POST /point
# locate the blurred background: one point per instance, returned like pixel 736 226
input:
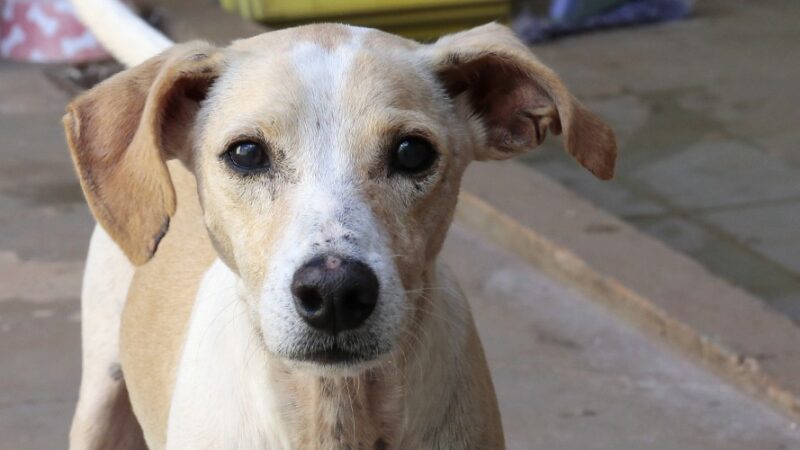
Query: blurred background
pixel 677 328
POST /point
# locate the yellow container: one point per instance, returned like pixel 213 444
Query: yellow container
pixel 419 19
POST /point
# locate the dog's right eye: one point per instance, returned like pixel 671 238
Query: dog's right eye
pixel 248 156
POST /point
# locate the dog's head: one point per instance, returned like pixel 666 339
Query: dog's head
pixel 328 161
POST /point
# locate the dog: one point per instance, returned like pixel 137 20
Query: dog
pixel 264 271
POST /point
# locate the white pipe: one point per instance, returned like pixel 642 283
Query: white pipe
pixel 125 35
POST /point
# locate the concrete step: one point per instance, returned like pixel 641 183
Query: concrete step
pixel 572 374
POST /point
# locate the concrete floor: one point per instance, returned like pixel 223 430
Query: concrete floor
pixel 706 112
pixel 569 374
pixel 45 226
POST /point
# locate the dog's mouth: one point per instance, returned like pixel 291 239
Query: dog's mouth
pixel 333 355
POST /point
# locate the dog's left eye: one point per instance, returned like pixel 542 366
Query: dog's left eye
pixel 413 155
pixel 248 156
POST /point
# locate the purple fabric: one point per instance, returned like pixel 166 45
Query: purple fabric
pixel 536 29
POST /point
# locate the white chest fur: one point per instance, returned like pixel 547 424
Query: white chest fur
pixel 222 399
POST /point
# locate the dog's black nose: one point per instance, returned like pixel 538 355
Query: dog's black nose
pixel 334 294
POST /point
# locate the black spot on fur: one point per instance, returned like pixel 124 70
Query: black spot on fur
pixel 380 444
pixel 115 372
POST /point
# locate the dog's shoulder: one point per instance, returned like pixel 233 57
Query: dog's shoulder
pixel 158 307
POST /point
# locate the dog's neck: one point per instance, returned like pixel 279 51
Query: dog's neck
pixel 363 411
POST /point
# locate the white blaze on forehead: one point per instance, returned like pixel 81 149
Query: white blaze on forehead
pixel 323 73
pixel 329 203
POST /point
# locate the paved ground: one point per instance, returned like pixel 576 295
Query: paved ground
pixel 706 111
pixel 568 373
pixel 45 226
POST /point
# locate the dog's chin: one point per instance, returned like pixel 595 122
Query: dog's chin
pixel 334 359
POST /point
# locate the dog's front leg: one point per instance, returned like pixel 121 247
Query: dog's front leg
pixel 103 417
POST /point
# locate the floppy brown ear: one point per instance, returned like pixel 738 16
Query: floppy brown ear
pixel 518 98
pixel 121 132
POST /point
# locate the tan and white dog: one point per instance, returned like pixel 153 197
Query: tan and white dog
pixel 265 271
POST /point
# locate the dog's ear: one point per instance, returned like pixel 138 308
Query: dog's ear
pixel 121 132
pixel 518 98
